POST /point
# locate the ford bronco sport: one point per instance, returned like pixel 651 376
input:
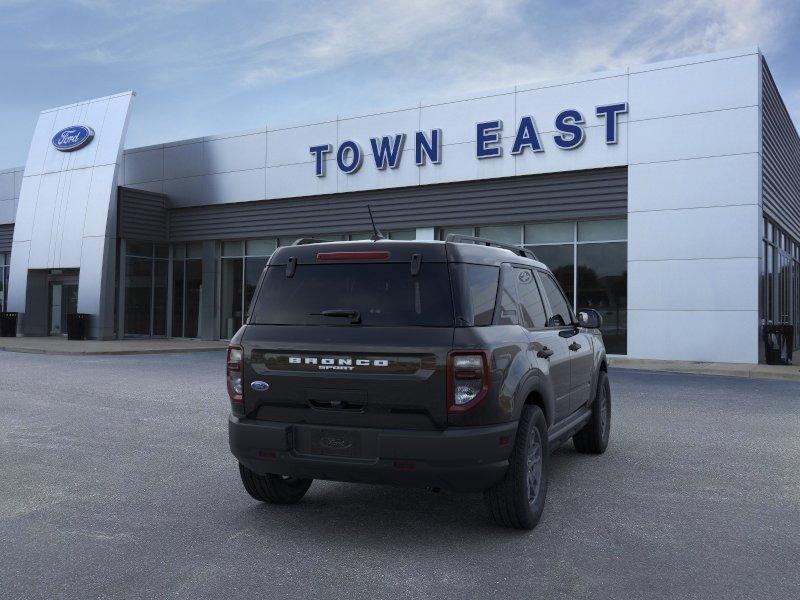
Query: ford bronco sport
pixel 453 364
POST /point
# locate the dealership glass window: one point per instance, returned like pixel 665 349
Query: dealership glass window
pixel 780 283
pixel 187 286
pixel 146 283
pixel 4 267
pixel 241 265
pixel 588 259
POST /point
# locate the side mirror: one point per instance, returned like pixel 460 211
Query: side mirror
pixel 590 318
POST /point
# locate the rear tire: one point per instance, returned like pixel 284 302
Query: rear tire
pixel 593 438
pixel 275 489
pixel 518 500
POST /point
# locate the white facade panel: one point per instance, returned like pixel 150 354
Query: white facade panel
pixel 18 175
pixel 718 232
pixel 74 217
pixel 361 129
pixel 695 88
pixel 459 164
pixel 702 284
pixel 370 178
pixel 183 160
pixel 23 225
pixel 115 125
pixel 92 114
pixel 7 186
pixel 290 146
pixel 18 274
pixel 544 104
pixel 594 153
pixel 458 119
pixel 715 181
pixel 8 210
pixel 714 335
pixel 238 186
pixel 54 160
pixel 43 234
pixel 40 142
pixel 718 133
pixel 238 153
pixel 97 201
pixel 147 165
pixel 93 251
pixel 188 191
pixel 289 181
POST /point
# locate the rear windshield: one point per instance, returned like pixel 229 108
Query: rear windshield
pixel 384 294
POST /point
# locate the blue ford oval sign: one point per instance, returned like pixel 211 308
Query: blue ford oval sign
pixel 72 138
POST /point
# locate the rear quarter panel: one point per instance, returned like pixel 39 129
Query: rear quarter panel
pixel 509 367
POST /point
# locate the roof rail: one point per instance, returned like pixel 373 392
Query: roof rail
pixel 304 241
pixel 457 238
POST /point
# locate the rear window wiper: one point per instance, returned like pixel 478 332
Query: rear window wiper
pixel 353 315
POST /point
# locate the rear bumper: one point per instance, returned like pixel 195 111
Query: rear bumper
pixel 468 459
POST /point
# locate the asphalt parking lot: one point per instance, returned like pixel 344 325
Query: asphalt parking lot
pixel 116 482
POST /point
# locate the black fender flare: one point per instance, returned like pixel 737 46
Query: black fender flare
pixel 536 383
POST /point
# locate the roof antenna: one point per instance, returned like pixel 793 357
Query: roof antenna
pixel 376 233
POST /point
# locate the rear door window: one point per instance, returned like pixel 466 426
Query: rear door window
pixel 383 294
pixel 507 313
pixel 475 288
pixel 561 313
pixel 530 300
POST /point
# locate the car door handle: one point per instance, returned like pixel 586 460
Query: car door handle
pixel 574 346
pixel 545 352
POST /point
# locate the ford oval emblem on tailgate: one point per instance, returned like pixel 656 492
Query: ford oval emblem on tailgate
pixel 260 386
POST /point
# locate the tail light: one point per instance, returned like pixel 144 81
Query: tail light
pixel 467 379
pixel 234 372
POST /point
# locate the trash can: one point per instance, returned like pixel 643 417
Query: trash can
pixel 8 324
pixel 77 323
pixel 778 344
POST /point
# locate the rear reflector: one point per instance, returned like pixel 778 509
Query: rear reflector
pixel 371 255
pixel 404 465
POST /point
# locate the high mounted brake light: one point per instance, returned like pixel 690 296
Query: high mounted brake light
pixel 233 373
pixel 468 379
pixel 369 255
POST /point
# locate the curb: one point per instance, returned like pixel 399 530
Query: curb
pixel 787 373
pixel 108 352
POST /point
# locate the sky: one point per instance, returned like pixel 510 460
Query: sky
pixel 203 67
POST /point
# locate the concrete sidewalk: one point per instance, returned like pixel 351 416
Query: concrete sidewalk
pixel 60 345
pixel 752 371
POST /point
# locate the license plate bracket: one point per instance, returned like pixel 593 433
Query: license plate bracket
pixel 323 441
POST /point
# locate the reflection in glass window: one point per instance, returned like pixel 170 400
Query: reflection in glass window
pixel 530 300
pixel 505 234
pixel 445 231
pixel 550 233
pixel 559 307
pixel 138 295
pixel 560 259
pixel 602 231
pixel 231 276
pixel 603 286
pixel 187 284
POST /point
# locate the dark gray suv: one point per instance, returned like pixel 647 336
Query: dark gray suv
pixel 453 364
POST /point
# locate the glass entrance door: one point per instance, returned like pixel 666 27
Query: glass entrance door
pixel 63 301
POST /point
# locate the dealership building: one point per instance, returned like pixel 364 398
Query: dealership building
pixel 666 196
